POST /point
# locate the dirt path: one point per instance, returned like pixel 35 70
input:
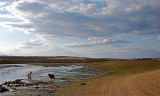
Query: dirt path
pixel 144 84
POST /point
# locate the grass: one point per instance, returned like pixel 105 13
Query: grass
pixel 97 86
pixel 125 67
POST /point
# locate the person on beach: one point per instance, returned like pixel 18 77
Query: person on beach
pixel 30 75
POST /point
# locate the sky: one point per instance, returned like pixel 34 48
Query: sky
pixel 83 28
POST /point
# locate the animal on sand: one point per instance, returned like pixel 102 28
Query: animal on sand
pixel 51 76
pixel 30 75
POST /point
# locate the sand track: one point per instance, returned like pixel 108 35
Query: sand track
pixel 144 84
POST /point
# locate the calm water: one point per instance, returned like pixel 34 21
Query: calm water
pixel 41 73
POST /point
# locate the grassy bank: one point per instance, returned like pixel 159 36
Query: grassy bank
pixel 119 79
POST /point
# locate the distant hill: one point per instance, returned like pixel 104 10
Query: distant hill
pixel 48 59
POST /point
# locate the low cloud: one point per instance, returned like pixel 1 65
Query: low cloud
pixel 152 38
pixel 97 41
pixel 30 44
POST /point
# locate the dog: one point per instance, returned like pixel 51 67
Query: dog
pixel 51 76
pixel 30 75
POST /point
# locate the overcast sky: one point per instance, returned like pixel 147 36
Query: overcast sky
pixel 87 28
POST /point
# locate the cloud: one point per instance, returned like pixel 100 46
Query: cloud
pixel 98 20
pixel 33 8
pixel 24 26
pixel 30 44
pixel 73 18
pixel 126 52
pixel 152 38
pixel 3 3
pixel 142 52
pixel 37 47
pixel 47 37
pixel 97 41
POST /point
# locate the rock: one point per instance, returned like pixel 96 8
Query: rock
pixel 3 89
pixel 16 83
pixel 83 84
pixel 36 87
pixel 51 76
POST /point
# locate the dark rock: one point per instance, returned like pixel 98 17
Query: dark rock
pixel 16 83
pixel 3 89
pixel 36 87
pixel 83 84
pixel 51 76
